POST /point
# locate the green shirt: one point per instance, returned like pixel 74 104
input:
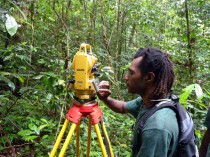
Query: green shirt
pixel 207 124
pixel 160 133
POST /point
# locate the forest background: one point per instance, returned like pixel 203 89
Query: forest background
pixel 38 39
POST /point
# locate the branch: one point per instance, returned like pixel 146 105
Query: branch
pixel 188 26
pixel 8 109
pixel 20 145
pixel 59 17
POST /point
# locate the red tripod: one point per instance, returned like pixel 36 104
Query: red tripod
pixel 74 115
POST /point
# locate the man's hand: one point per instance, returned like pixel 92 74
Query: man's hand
pixel 104 95
pixel 103 90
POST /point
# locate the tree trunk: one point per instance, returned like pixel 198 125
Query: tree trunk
pixel 120 41
pixel 93 20
pixel 189 46
pixel 32 9
pixel 131 40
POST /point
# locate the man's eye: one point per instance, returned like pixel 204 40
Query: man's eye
pixel 130 72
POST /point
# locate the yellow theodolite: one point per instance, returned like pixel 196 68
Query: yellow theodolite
pixel 85 70
pixel 84 104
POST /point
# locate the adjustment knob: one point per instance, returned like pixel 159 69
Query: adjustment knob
pixel 72 81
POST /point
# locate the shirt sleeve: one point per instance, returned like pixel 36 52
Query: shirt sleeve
pixel 207 119
pixel 133 106
pixel 157 146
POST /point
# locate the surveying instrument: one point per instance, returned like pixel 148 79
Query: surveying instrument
pixel 84 104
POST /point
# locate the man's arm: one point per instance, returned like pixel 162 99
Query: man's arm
pixel 204 144
pixel 104 95
pixel 116 105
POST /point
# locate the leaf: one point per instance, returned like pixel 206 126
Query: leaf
pixel 123 145
pixel 1 148
pixel 8 57
pixel 49 74
pixel 11 25
pixel 126 66
pixel 9 83
pixel 108 69
pixel 5 73
pixel 38 77
pixel 186 92
pixel 21 79
pixel 207 91
pixel 3 98
pixel 44 120
pixel 41 61
pixel 51 19
pixel 48 82
pixel 24 89
pixel 23 58
pixel 48 98
pixel 198 92
pixel 32 126
pixel 43 126
pixel 61 82
pixel 45 136
pixel 30 138
pixel 25 132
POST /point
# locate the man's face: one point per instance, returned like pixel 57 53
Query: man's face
pixel 134 79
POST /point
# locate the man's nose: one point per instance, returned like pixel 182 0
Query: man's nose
pixel 126 77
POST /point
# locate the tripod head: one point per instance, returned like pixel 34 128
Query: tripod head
pixel 85 71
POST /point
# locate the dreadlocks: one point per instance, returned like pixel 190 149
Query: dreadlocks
pixel 153 60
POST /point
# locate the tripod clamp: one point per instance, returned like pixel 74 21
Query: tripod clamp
pixel 77 112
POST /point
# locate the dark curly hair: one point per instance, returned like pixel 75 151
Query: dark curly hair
pixel 159 63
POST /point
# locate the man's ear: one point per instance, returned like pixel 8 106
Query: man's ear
pixel 150 77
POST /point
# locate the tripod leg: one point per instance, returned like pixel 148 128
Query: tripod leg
pixel 77 140
pixel 59 138
pixel 107 137
pixel 63 150
pixel 89 136
pixel 100 140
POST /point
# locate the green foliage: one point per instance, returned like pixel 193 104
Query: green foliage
pixel 35 60
pixel 34 132
pixel 188 90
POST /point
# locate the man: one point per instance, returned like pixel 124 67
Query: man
pixel 151 76
pixel 205 148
